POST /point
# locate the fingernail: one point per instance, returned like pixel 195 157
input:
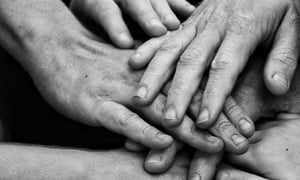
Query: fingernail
pixel 195 176
pixel 237 140
pixel 245 125
pixel 157 23
pixel 282 79
pixel 124 38
pixel 142 92
pixel 163 137
pixel 170 114
pixel 211 138
pixel 203 117
pixel 153 158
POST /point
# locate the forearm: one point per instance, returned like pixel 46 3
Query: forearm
pixel 28 162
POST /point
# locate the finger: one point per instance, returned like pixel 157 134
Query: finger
pixel 165 13
pixel 119 119
pixel 131 145
pixel 186 131
pixel 233 140
pixel 182 7
pixel 225 68
pixel 162 65
pixel 189 71
pixel 109 16
pixel 230 173
pixel 282 61
pixel 238 117
pixel 143 12
pixel 158 161
pixel 203 166
pixel 146 51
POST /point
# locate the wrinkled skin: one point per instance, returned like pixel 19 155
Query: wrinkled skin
pixel 251 98
pixel 220 36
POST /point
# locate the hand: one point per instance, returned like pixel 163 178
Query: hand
pixel 154 16
pixel 279 162
pixel 87 80
pixel 223 33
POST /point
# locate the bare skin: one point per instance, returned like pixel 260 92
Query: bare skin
pixel 256 101
pixel 220 37
pixel 155 17
pixel 274 152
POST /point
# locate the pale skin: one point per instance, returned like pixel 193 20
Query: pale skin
pixel 29 46
pixel 219 36
pixel 257 102
pixel 81 76
pixel 155 17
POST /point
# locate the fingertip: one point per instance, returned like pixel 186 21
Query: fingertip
pixel 140 97
pixel 277 83
pixel 164 139
pixel 134 61
pixel 240 145
pixel 171 22
pixel 124 41
pixel 204 121
pixel 170 118
pixel 246 127
pixel 156 28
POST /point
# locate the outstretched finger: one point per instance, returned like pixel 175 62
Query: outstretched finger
pixel 143 12
pixel 283 58
pixel 162 65
pixel 238 117
pixel 234 142
pixel 230 60
pixel 189 71
pixel 186 132
pixel 119 119
pixel 107 14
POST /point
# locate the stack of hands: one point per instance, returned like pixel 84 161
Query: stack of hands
pixel 201 84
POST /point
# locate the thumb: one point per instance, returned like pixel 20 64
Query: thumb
pixel 282 60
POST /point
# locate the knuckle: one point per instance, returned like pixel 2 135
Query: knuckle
pixel 241 24
pixel 170 47
pixel 285 57
pixel 125 120
pixel 232 109
pixel 223 125
pixel 221 61
pixel 178 88
pixel 190 58
pixel 148 130
pixel 108 8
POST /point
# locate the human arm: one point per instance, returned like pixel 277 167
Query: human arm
pixel 83 78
